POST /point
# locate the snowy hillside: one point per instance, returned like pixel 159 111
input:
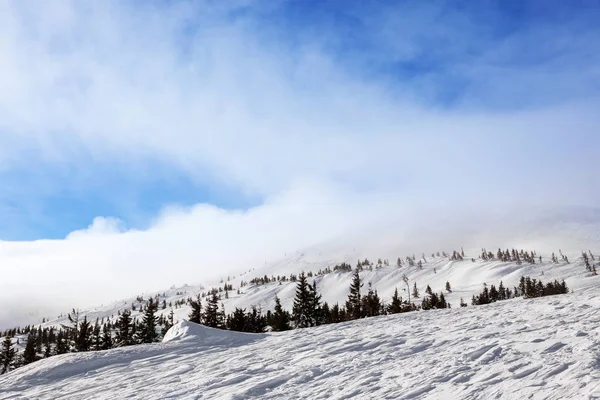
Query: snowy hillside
pixel 466 278
pixel 544 348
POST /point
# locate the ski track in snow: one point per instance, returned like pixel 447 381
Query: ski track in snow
pixel 546 348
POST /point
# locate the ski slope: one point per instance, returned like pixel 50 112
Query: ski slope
pixel 545 348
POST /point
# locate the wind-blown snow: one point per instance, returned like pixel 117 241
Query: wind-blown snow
pixel 546 348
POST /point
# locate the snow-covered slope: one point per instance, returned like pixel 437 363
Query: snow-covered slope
pixel 466 278
pixel 546 348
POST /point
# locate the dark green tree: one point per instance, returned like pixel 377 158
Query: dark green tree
pixel 395 306
pixel 237 321
pixel 148 330
pixel 353 304
pixel 82 342
pixel 106 341
pixel 7 355
pixel 315 306
pixel 62 345
pixel 302 311
pixel 415 291
pixel 280 319
pixel 29 354
pixel 196 312
pixel 125 329
pixel 211 314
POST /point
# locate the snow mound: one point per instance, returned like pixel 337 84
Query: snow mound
pixel 200 334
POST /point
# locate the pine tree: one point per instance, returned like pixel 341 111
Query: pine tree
pixel 302 311
pixel 353 304
pixel 395 306
pixel 462 302
pixel 211 314
pixel 125 329
pixel 29 354
pixel 169 322
pixel 501 292
pixel 222 318
pixel 196 312
pixel 82 342
pixel 256 322
pixel 315 306
pixel 62 346
pixel 148 333
pixel 106 340
pixel 371 303
pixel 7 355
pixel 96 337
pixel 415 291
pixel 237 321
pixel 72 331
pixel 280 317
pixel 448 288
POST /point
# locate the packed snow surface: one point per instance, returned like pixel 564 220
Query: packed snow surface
pixel 545 348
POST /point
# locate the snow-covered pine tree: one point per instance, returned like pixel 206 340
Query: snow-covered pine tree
pixel 415 291
pixel 7 355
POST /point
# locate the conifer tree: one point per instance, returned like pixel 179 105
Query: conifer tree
pixel 62 346
pixel 315 306
pixel 169 322
pixel 256 322
pixel 96 337
pixel 7 355
pixel 280 317
pixel 415 291
pixel 237 320
pixel 82 342
pixel 396 304
pixel 106 341
pixel 371 303
pixel 196 312
pixel 125 329
pixel 448 288
pixel 148 333
pixel 302 311
pixel 353 304
pixel 211 314
pixel 29 354
pixel 222 318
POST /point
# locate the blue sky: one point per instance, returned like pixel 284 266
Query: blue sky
pixel 487 57
pixel 165 134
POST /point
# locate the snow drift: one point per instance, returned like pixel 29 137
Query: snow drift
pixel 204 335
